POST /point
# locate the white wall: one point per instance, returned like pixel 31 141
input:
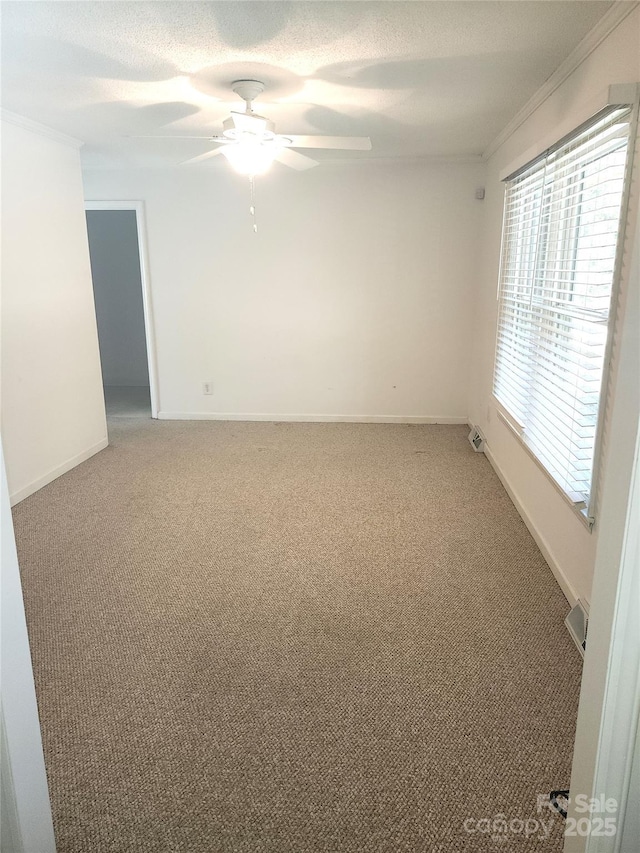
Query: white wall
pixel 26 824
pixel 354 298
pixel 564 539
pixel 117 288
pixel 52 406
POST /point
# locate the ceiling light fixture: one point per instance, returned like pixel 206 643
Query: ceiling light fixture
pixel 250 157
pixel 252 149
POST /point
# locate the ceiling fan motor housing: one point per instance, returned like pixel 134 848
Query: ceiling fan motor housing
pixel 249 127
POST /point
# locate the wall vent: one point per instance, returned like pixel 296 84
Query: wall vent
pixel 578 622
pixel 476 439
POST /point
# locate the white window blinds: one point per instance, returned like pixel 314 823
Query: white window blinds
pixel 560 238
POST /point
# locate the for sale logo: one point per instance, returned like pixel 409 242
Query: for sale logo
pixel 594 816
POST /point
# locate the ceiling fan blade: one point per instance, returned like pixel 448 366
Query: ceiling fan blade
pixel 296 161
pixel 351 143
pixel 202 157
pixel 176 136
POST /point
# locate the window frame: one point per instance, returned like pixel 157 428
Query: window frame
pixel 586 511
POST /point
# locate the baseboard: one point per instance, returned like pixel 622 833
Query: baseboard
pixel 565 585
pixel 350 419
pixel 52 475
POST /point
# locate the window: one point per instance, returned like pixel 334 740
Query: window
pixel 561 230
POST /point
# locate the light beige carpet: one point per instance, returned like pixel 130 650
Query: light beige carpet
pixel 294 638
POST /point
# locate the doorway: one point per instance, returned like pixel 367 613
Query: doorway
pixel 123 313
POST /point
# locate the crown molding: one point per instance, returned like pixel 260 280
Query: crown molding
pixel 40 129
pixel 430 158
pixel 414 159
pixel 605 26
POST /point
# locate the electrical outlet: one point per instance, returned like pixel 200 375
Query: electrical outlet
pixel 207 387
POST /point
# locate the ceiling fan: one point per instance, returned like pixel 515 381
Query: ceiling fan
pixel 250 143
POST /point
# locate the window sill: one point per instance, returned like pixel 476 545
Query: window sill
pixel 580 510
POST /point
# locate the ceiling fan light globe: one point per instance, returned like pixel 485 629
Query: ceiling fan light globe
pixel 250 158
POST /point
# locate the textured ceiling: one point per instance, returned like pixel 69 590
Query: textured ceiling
pixel 430 79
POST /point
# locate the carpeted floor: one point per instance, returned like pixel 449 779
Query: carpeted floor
pixel 292 638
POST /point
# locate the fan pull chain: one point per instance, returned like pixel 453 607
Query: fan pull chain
pixel 252 207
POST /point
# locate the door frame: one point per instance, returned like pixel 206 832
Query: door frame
pixel 609 710
pixel 149 331
pixel 27 824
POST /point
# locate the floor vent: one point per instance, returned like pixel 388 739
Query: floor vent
pixel 477 440
pixel 577 622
